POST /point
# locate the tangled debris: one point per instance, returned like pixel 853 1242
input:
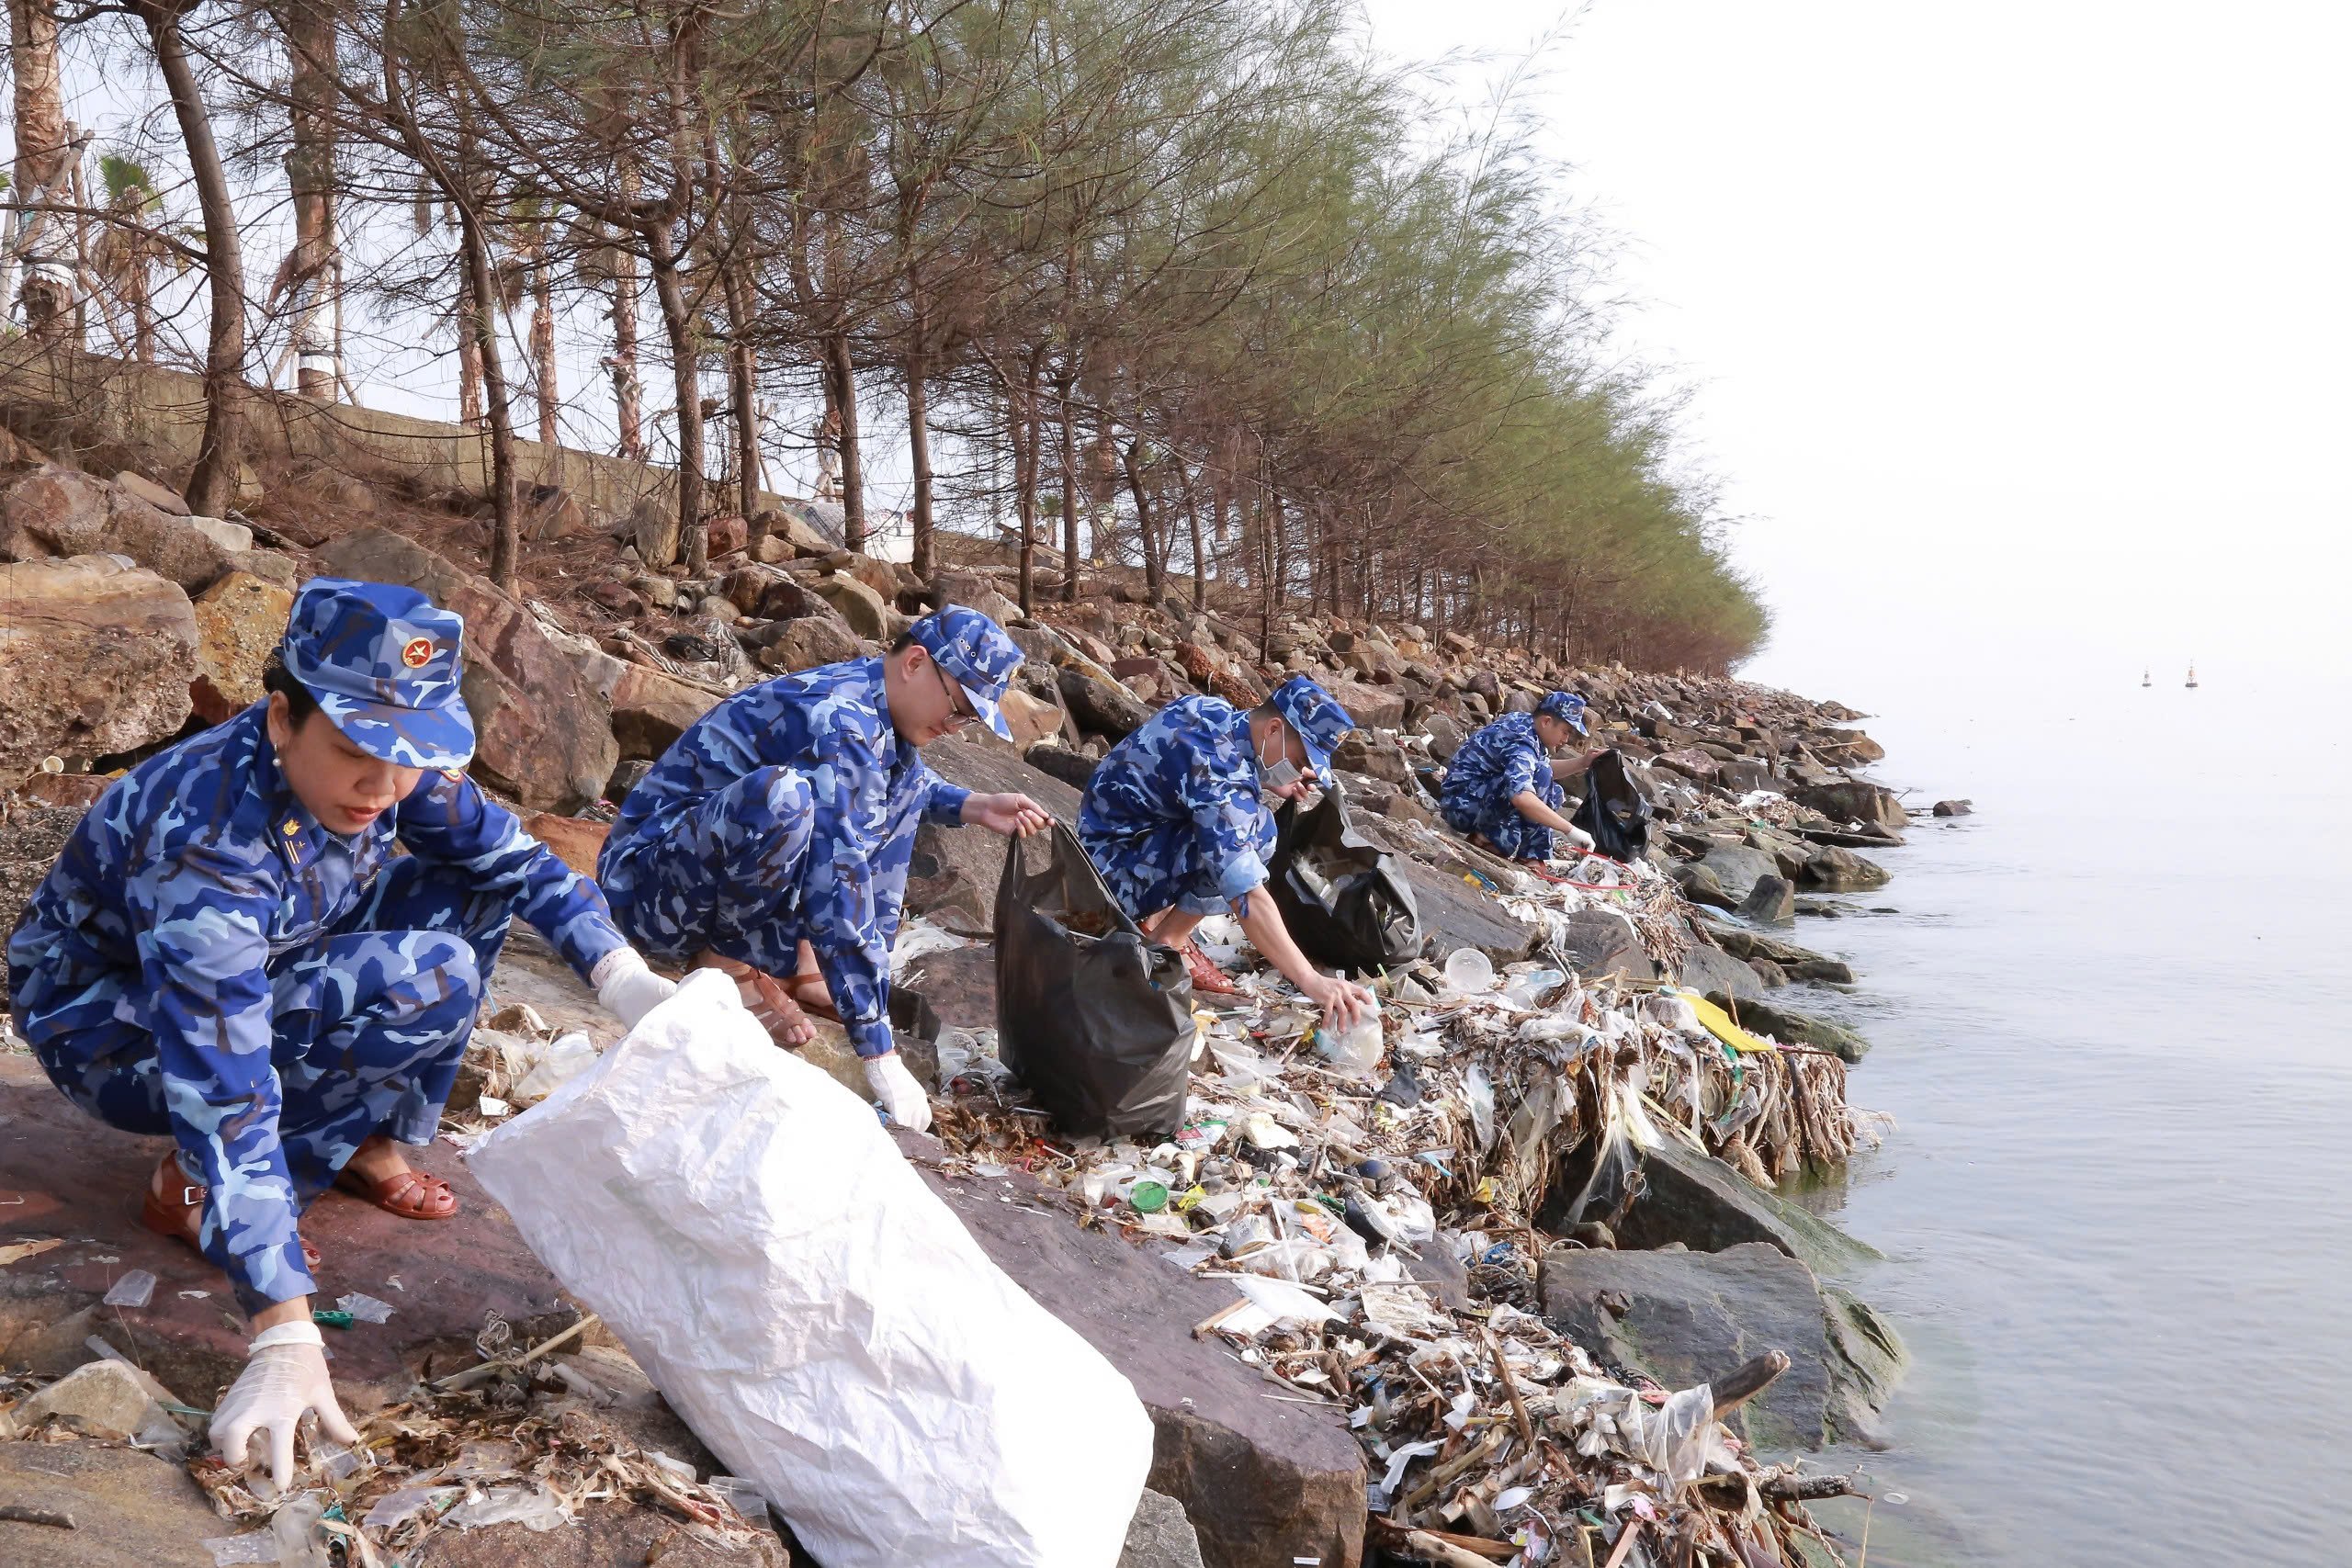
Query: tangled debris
pixel 1316 1179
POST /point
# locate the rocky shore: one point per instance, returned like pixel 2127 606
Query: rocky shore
pixel 1596 1161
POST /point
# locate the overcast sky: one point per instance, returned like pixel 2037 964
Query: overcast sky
pixel 2018 331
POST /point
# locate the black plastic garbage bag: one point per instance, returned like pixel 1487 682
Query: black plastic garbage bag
pixel 1094 1017
pixel 1344 900
pixel 1614 811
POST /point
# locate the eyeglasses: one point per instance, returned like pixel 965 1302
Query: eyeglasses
pixel 959 709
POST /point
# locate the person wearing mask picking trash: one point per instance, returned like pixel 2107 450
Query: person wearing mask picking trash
pixel 1502 788
pixel 772 840
pixel 228 951
pixel 1176 820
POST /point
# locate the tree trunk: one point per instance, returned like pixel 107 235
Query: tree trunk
pixel 1069 490
pixel 918 447
pixel 686 386
pixel 1155 564
pixel 842 375
pixel 742 382
pixel 220 460
pixel 469 406
pixel 37 239
pixel 1028 437
pixel 505 531
pixel 1193 526
pixel 543 347
pixel 310 270
pixel 628 411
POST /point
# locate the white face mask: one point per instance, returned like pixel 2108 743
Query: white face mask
pixel 1276 775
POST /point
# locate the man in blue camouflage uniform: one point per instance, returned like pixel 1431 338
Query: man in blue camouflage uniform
pixel 1502 789
pixel 228 952
pixel 1176 820
pixel 773 839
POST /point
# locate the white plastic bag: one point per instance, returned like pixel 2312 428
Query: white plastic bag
pixel 821 1321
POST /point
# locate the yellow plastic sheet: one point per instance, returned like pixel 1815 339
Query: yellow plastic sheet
pixel 1720 1026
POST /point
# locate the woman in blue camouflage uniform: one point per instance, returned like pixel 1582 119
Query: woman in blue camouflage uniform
pixel 1503 789
pixel 228 952
pixel 1176 820
pixel 772 840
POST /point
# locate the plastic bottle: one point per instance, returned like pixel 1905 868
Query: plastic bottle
pixel 1358 1049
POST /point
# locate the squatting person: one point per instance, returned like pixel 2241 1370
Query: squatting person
pixel 1503 789
pixel 1176 820
pixel 772 840
pixel 228 951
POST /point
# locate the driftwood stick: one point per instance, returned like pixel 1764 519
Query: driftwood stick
pixel 1749 1380
pixel 1511 1387
pixel 1626 1544
pixel 1431 1547
pixel 25 1514
pixel 1806 1488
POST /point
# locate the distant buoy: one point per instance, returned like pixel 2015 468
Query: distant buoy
pixel 2192 677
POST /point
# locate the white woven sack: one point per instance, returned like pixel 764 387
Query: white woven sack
pixel 823 1321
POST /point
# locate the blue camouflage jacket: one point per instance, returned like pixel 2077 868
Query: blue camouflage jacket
pixel 1192 762
pixel 190 874
pixel 1498 761
pixel 830 726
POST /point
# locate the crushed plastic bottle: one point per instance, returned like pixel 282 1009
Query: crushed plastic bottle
pixel 1357 1050
pixel 742 1496
pixel 567 1057
pixel 364 1308
pixel 135 1289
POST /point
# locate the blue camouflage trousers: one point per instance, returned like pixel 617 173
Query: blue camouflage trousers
pixel 1494 816
pixel 369 1023
pixel 726 875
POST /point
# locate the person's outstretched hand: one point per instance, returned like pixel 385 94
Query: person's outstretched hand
pixel 1344 1003
pixel 899 1094
pixel 1010 815
pixel 285 1379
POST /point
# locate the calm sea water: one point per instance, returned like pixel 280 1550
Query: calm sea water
pixel 2109 1019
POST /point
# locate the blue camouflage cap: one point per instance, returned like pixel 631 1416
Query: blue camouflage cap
pixel 1566 707
pixel 1317 717
pixel 975 654
pixel 384 664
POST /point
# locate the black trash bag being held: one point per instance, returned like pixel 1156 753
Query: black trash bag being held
pixel 1344 901
pixel 1094 1017
pixel 1614 811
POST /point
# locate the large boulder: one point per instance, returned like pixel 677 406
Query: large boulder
pixel 1772 902
pixel 1738 869
pixel 1683 1317
pixel 1445 735
pixel 1706 969
pixel 61 512
pixel 1031 719
pixel 240 620
pixel 96 657
pixel 1698 1201
pixel 1374 707
pixel 650 710
pixel 1601 942
pixel 1854 800
pixel 1833 870
pixel 653 528
pixel 1102 706
pixel 956 870
pixel 804 644
pixel 1264 1481
pixel 543 733
pixel 867 612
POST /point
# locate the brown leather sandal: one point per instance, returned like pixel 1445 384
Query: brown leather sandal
pixel 411 1194
pixel 181 1215
pixel 819 1005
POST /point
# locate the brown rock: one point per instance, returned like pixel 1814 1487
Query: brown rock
pixel 96 657
pixel 239 621
pixel 53 512
pixel 1031 719
pixel 576 840
pixel 653 527
pixel 809 642
pixel 161 497
pixel 866 610
pixel 1377 707
pixel 74 791
pixel 130 1509
pixel 725 534
pixel 550 513
pixel 651 711
pixel 1103 706
pixel 544 733
pixel 267 565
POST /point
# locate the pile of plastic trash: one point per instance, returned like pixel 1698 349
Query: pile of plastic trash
pixel 1317 1171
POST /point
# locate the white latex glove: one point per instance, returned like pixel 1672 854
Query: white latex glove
pixel 285 1379
pixel 899 1094
pixel 1579 838
pixel 626 988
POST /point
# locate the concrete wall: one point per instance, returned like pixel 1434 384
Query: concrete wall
pixel 96 401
